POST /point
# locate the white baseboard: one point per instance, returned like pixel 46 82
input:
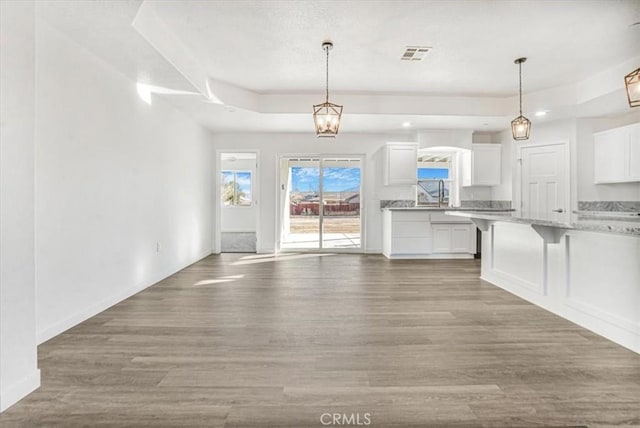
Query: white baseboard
pixel 14 393
pixel 505 280
pixel 429 256
pixel 93 310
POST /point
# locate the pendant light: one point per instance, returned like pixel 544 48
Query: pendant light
pixel 520 126
pixel 632 83
pixel 327 115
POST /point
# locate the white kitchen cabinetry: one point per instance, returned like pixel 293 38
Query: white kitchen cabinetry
pixel 453 238
pixel 407 234
pixel 419 234
pixel 616 155
pixel 400 164
pixel 481 166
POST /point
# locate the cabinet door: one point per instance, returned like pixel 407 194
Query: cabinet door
pixel 441 238
pixel 485 164
pixel 401 164
pixel 461 239
pixel 633 157
pixel 609 155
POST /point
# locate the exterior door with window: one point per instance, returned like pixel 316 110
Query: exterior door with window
pixel 238 210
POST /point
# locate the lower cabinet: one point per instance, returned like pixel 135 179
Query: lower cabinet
pixel 453 238
pixel 419 234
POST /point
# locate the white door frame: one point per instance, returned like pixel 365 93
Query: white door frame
pixel 517 185
pixel 255 194
pixel 363 158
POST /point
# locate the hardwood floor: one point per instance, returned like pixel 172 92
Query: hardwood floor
pixel 238 340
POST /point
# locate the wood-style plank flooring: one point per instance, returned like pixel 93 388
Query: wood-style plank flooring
pixel 253 341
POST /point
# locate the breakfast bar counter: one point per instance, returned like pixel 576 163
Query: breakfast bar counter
pixel 586 269
pixel 628 224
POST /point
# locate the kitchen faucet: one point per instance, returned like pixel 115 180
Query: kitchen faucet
pixel 440 192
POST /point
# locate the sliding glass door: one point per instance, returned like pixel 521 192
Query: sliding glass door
pixel 320 203
pixel 340 203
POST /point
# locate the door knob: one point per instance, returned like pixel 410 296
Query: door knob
pixel 559 210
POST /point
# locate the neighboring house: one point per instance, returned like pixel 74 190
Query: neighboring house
pixel 334 204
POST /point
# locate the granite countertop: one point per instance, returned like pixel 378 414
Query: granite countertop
pixel 608 215
pixel 626 225
pixel 427 208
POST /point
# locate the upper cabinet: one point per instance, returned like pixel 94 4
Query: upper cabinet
pixel 481 166
pixel 399 164
pixel 616 155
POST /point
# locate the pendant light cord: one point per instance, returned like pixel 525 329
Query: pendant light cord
pixel 520 73
pixel 327 85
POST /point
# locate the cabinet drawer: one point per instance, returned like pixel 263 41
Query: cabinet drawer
pixel 400 216
pixel 411 246
pixel 443 218
pixel 408 229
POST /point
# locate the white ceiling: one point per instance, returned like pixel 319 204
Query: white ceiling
pixel 274 46
pixel 104 28
pixel 264 58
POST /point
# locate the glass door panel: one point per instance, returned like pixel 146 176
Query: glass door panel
pixel 300 179
pixel 341 183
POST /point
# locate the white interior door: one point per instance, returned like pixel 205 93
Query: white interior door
pixel 544 182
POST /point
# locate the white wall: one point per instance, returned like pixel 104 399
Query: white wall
pixel 461 139
pixel 272 144
pixel 115 177
pixel 239 219
pixel 504 192
pixel 18 357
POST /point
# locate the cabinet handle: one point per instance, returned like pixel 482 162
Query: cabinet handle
pixel 559 210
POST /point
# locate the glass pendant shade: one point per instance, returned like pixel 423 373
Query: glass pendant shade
pixel 632 83
pixel 326 116
pixel 520 128
pixel 327 119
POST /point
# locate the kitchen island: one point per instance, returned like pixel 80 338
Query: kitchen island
pixel 586 269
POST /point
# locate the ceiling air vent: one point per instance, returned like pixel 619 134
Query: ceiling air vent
pixel 415 53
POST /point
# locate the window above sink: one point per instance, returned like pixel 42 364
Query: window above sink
pixel 437 171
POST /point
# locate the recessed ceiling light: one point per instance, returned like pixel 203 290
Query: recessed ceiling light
pixel 406 124
pixel 540 113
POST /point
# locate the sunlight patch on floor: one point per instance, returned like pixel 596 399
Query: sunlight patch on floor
pixel 261 256
pixel 280 258
pixel 220 280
